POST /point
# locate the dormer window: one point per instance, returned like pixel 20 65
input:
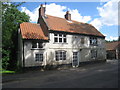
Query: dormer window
pixel 37 45
pixel 60 38
pixel 93 41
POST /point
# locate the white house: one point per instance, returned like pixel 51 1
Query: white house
pixel 56 41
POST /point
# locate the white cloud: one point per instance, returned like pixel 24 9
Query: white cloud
pixel 108 14
pixel 56 10
pixel 111 38
pixel 75 15
pixel 97 23
pixel 33 15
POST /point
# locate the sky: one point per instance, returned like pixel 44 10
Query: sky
pixel 102 15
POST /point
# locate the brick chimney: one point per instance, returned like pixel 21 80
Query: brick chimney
pixel 41 10
pixel 68 16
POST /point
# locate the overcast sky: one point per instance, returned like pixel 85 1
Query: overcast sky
pixel 102 15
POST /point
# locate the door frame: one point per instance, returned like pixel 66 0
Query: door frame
pixel 78 58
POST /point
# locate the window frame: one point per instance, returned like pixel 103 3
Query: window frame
pixel 82 40
pixel 40 57
pixel 38 45
pixel 60 55
pixel 60 38
pixel 93 41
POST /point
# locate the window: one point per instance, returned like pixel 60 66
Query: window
pixel 37 45
pixel 38 57
pixel 82 40
pixel 60 38
pixel 93 54
pixel 60 55
pixel 93 40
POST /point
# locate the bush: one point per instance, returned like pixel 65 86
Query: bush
pixel 5 58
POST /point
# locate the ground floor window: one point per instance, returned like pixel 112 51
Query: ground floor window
pixel 93 54
pixel 60 55
pixel 38 57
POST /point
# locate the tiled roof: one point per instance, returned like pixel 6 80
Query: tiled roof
pixel 61 24
pixel 32 31
pixel 112 45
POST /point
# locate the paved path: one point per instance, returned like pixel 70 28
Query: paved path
pixel 99 75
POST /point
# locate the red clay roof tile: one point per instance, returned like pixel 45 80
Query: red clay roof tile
pixel 112 45
pixel 61 24
pixel 32 31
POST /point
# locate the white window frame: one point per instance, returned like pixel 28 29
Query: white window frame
pixel 60 36
pixel 40 58
pixel 37 44
pixel 93 41
pixel 60 55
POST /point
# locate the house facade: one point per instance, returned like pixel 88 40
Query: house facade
pixel 56 41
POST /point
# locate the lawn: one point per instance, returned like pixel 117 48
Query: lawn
pixel 6 71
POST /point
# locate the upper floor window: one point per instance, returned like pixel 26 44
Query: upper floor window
pixel 60 55
pixel 93 40
pixel 37 45
pixel 82 40
pixel 60 38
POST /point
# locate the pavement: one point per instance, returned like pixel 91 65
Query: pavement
pixel 97 75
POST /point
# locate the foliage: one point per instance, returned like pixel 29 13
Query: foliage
pixel 111 41
pixel 11 19
pixel 5 60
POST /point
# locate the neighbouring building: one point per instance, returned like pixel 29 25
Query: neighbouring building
pixel 56 41
pixel 113 50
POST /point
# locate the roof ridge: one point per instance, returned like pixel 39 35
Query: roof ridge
pixel 30 23
pixel 65 19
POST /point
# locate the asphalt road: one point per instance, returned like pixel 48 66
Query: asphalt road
pixel 98 75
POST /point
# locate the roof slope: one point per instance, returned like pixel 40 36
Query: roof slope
pixel 112 45
pixel 61 24
pixel 32 31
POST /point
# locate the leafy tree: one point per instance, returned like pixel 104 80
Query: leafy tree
pixel 11 19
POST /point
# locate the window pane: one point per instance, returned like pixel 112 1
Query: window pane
pixel 39 57
pixel 93 40
pixel 60 35
pixel 40 45
pixel 64 40
pixel 55 39
pixel 60 39
pixel 64 35
pixel 60 55
pixel 55 34
pixel 34 45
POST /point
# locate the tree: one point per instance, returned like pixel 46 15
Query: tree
pixel 11 19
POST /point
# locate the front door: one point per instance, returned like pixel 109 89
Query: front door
pixel 75 61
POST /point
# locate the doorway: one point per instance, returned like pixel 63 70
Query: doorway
pixel 75 59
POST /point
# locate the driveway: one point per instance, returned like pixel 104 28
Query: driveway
pixel 98 75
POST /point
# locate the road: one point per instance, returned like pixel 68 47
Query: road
pixel 98 75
